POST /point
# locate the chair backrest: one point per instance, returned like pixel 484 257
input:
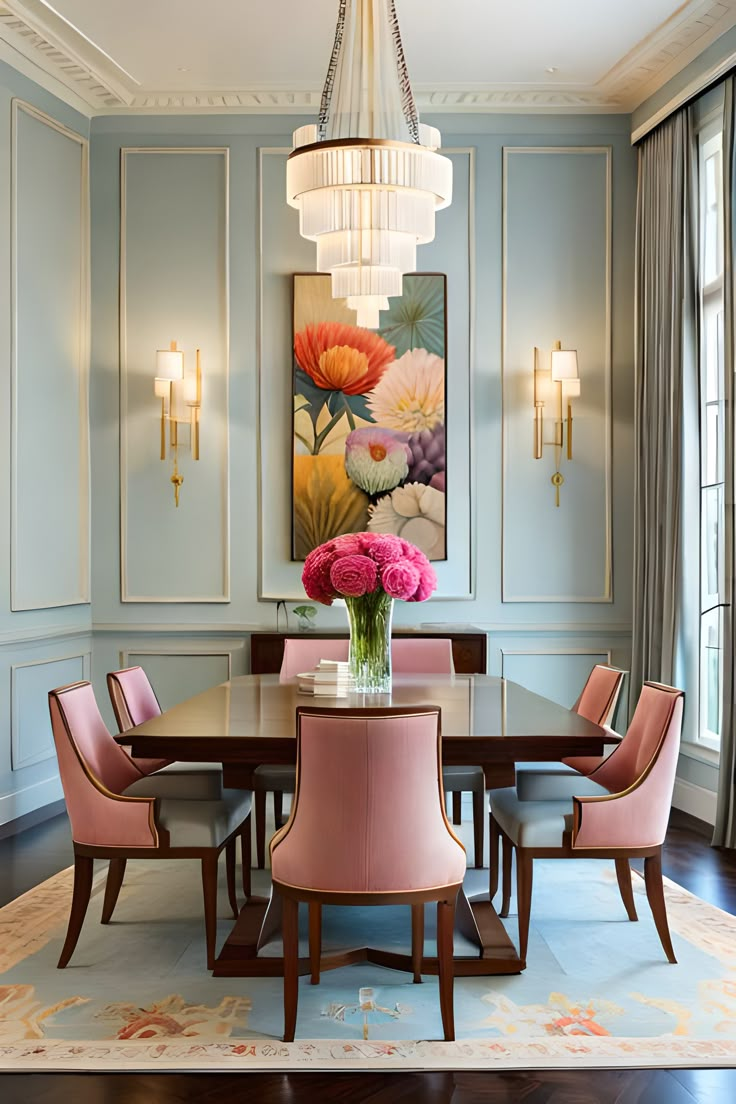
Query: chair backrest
pixel 600 695
pixel 303 653
pixel 132 697
pixel 429 656
pixel 637 813
pixel 368 815
pixel 422 656
pixel 629 759
pixel 94 770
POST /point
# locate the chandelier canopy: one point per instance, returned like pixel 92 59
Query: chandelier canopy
pixel 367 179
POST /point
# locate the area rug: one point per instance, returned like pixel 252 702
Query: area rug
pixel 137 996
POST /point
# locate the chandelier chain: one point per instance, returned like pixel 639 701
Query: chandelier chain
pixel 324 106
pixel 408 105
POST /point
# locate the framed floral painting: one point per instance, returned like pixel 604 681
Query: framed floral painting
pixel 369 416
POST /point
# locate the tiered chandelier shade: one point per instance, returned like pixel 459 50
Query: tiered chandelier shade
pixel 367 179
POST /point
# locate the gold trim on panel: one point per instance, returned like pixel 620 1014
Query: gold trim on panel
pixel 15 762
pixel 607 595
pixel 84 533
pixel 125 596
pixel 187 651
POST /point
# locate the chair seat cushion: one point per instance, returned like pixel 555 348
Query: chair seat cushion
pixel 531 823
pixel 186 781
pixel 463 779
pixel 198 823
pixel 275 776
pixel 553 782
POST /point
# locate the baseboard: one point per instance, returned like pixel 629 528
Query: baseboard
pixel 695 800
pixel 29 800
pixel 30 820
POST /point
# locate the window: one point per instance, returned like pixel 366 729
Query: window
pixel 711 386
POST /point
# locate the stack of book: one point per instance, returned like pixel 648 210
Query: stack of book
pixel 331 678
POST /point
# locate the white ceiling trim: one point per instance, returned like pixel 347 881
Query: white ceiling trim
pixel 85 73
pixel 668 50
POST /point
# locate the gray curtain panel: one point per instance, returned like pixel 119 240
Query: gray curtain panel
pixel 665 367
pixel 725 827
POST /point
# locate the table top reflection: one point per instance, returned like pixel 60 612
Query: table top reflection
pixel 251 719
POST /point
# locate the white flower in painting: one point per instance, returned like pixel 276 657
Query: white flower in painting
pixel 411 393
pixel 415 512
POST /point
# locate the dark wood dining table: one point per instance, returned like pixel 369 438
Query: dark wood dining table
pixel 485 720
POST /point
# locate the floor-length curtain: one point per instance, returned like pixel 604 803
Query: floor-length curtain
pixel 725 827
pixel 666 364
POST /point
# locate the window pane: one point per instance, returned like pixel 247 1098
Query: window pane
pixel 711 656
pixel 711 523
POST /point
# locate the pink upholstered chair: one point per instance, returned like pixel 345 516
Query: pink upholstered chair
pixel 118 814
pixel 134 701
pixel 626 818
pixel 386 841
pixel 597 703
pixel 300 654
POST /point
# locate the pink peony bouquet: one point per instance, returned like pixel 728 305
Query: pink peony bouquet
pixel 357 564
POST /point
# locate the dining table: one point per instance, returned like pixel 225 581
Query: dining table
pixel 485 720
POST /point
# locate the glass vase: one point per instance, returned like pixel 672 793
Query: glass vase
pixel 369 618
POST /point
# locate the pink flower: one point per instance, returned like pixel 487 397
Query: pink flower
pixel 354 576
pixel 427 583
pixel 316 573
pixel 400 579
pixel 385 548
pixel 355 564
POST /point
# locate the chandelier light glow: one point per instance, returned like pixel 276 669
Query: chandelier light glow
pixel 367 178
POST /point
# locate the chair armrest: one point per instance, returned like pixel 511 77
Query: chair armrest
pixel 631 818
pixel 100 818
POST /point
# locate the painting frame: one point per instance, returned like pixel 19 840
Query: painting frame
pixel 369 416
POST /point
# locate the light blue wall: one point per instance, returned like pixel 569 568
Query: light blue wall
pixel 265 249
pixel 43 328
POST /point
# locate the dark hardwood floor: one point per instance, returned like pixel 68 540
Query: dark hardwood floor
pixel 39 852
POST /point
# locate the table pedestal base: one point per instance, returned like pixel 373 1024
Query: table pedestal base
pixel 477 919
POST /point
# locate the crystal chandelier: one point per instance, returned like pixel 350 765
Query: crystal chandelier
pixel 367 179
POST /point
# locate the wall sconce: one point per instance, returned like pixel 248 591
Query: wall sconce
pixel 558 383
pixel 181 399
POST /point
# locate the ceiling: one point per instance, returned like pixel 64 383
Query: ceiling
pixel 112 56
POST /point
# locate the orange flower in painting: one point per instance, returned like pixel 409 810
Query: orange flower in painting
pixel 340 357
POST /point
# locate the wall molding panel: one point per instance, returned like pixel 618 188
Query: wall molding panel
pixel 281 253
pixel 541 669
pixel 174 285
pixel 557 284
pixel 184 671
pixel 31 739
pixel 50 340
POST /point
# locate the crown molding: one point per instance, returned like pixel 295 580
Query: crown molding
pixel 665 52
pixel 49 49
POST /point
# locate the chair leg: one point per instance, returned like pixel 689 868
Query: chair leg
pixel 506 855
pixel 245 856
pixel 493 843
pixel 315 939
pixel 524 866
pixel 655 896
pixel 290 935
pixel 260 796
pixel 83 866
pixel 230 872
pixel 623 874
pixel 115 875
pixel 446 964
pixel 479 800
pixel 278 808
pixel 457 807
pixel 209 891
pixel 417 941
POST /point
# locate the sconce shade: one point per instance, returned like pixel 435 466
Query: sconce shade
pixel 564 364
pixel 169 364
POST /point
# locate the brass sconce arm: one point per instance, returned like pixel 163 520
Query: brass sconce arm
pixel 181 402
pixel 555 384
